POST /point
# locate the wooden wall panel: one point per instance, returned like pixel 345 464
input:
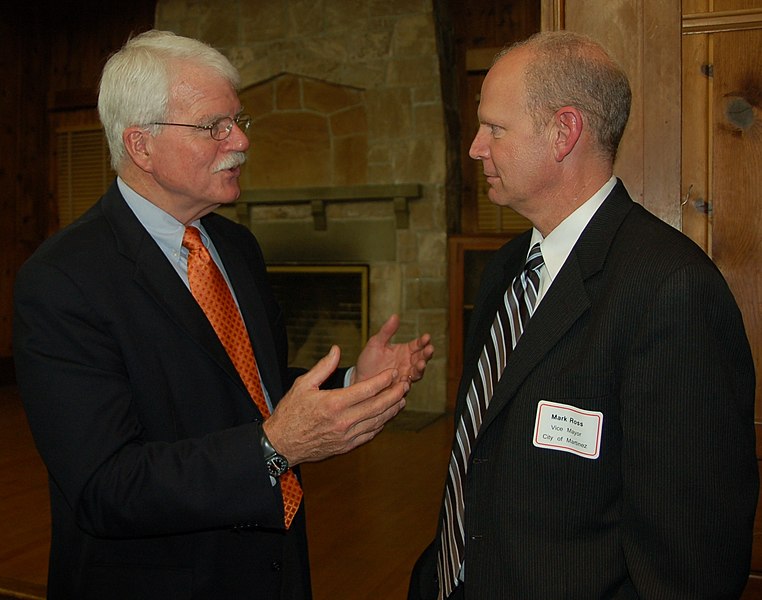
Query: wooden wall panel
pixel 617 25
pixel 725 5
pixel 23 154
pixel 736 243
pixel 644 36
pixel 9 56
pixel 696 177
pixel 51 56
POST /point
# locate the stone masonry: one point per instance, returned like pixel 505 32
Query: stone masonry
pixel 346 92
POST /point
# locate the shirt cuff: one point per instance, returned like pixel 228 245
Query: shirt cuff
pixel 348 376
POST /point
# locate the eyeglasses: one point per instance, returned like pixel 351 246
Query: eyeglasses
pixel 221 128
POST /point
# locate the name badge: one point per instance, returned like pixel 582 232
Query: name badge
pixel 568 429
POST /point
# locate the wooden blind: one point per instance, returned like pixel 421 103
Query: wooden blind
pixel 83 170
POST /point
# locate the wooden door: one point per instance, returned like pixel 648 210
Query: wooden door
pixel 722 173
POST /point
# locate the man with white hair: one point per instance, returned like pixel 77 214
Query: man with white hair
pixel 151 358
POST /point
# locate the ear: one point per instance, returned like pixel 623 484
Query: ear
pixel 137 143
pixel 567 129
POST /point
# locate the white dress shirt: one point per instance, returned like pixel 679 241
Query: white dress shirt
pixel 559 243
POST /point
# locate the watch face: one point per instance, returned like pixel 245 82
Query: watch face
pixel 277 465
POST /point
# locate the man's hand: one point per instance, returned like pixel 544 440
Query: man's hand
pixel 310 424
pixel 409 360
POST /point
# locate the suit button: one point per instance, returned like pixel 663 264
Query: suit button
pixel 275 565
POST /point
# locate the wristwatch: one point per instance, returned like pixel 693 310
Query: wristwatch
pixel 276 464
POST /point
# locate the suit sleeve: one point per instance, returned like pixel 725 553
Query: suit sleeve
pixel 119 478
pixel 688 450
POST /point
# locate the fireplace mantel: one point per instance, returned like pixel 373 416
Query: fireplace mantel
pixel 317 197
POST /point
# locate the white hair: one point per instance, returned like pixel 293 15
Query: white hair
pixel 136 82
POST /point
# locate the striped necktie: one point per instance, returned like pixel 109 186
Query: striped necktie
pixel 512 316
pixel 213 295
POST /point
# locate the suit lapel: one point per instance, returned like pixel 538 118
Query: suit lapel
pixel 565 301
pixel 161 282
pixel 493 286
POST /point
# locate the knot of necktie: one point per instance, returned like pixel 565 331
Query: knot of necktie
pixel 192 241
pixel 535 259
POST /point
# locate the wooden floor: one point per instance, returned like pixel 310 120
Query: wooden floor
pixel 370 512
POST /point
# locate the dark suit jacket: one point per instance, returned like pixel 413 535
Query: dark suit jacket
pixel 641 326
pixel 157 481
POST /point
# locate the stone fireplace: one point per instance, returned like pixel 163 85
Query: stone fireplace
pixel 328 257
pixel 347 163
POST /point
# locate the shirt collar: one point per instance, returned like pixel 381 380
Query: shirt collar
pixel 162 227
pixel 559 243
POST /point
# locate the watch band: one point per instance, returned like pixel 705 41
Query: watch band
pixel 276 464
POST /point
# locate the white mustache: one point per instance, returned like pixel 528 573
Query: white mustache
pixel 235 159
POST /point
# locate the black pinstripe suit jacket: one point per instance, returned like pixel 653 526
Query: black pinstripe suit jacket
pixel 640 326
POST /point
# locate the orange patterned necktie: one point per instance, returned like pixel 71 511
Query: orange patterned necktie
pixel 212 293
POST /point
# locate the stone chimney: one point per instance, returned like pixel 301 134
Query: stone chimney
pixel 345 97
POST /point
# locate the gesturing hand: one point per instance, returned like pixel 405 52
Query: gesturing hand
pixel 310 424
pixel 409 359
